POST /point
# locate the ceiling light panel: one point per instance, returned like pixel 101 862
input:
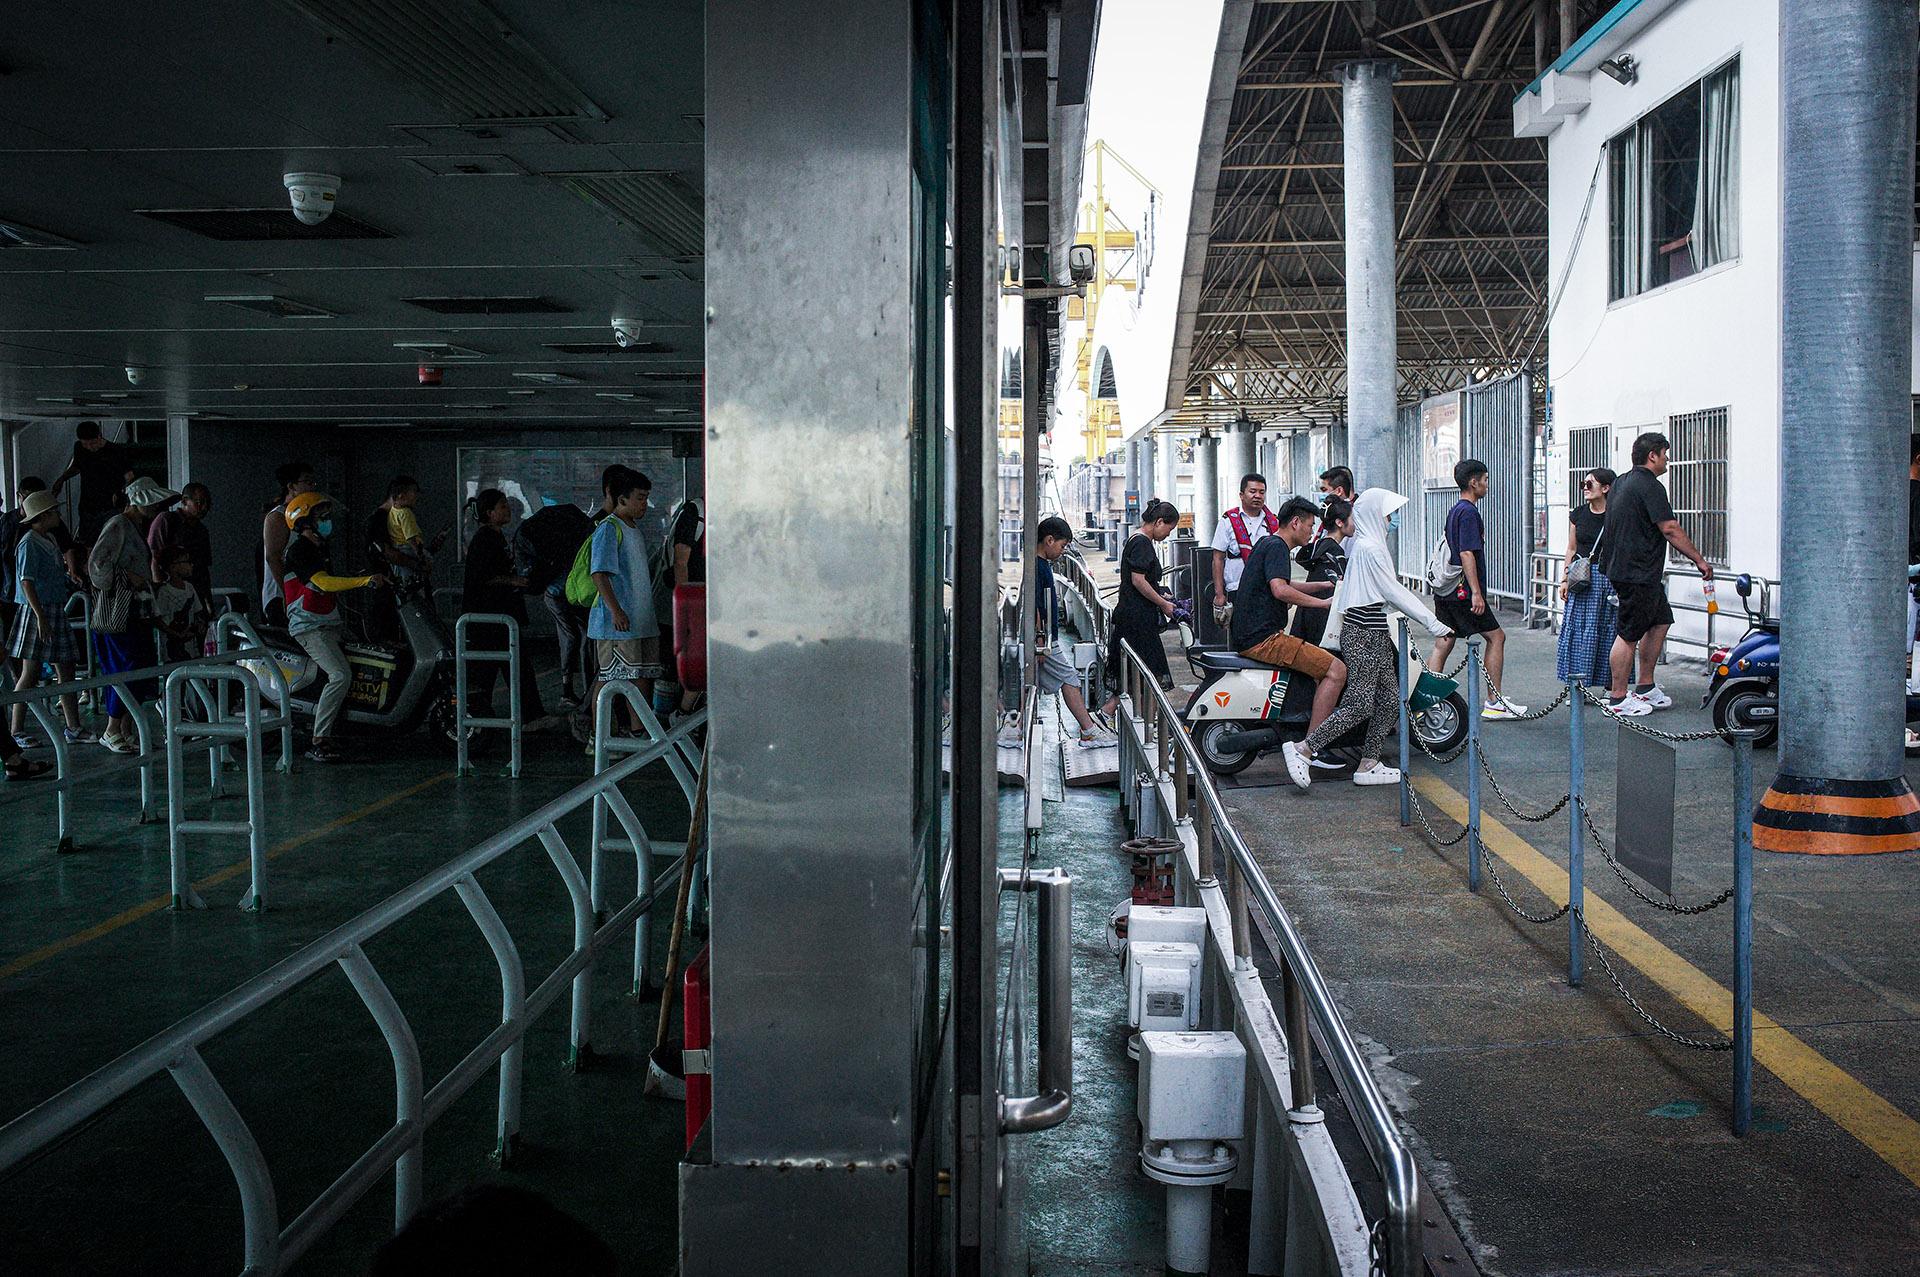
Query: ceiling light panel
pixel 659 206
pixel 438 350
pixel 460 53
pixel 549 378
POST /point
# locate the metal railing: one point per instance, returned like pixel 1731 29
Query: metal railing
pixel 205 680
pixel 462 719
pixel 80 621
pixel 226 627
pixel 683 761
pixel 1308 1001
pixel 176 1051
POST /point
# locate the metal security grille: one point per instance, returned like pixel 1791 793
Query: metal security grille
pixel 1697 479
pixel 1588 448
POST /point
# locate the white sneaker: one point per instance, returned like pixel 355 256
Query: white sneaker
pixel 1631 707
pixel 1298 769
pixel 1378 774
pixel 1097 738
pixel 1656 698
pixel 1500 707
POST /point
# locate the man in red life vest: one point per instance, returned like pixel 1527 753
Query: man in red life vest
pixel 1239 529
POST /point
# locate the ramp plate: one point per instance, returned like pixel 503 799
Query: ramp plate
pixel 1083 767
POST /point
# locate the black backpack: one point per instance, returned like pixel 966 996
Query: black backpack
pixel 552 536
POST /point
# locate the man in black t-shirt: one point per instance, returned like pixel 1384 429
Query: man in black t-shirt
pixel 1640 525
pixel 1259 629
pixel 104 470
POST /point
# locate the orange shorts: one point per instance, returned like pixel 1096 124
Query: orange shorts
pixel 1291 653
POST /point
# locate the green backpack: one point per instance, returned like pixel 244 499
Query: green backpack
pixel 580 588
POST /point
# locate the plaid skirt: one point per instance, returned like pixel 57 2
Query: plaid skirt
pixel 1587 631
pixel 60 648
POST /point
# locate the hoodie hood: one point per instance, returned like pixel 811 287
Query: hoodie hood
pixel 1371 509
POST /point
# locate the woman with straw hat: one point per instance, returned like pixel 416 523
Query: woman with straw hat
pixel 120 569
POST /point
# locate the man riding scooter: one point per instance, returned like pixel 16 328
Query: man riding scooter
pixel 1259 628
pixel 313 610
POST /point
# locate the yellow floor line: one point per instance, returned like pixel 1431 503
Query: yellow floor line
pixel 238 867
pixel 1891 1134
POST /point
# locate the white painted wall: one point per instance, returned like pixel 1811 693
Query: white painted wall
pixel 1708 341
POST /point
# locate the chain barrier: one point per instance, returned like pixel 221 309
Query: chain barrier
pixel 1433 835
pixel 1426 749
pixel 1669 904
pixel 1600 952
pixel 1523 817
pixel 1488 861
pixel 1634 724
pixel 1533 714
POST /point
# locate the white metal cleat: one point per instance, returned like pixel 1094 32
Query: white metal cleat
pixel 1656 697
pixel 1501 708
pixel 1299 769
pixel 1378 774
pixel 1632 707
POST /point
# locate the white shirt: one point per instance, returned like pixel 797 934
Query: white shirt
pixel 1229 545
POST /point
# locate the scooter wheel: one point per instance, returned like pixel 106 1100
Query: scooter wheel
pixel 1732 706
pixel 440 725
pixel 1222 762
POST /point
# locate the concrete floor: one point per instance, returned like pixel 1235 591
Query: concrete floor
pixel 1563 1136
pixel 143 1190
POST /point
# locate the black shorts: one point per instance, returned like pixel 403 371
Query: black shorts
pixel 1642 607
pixel 1455 610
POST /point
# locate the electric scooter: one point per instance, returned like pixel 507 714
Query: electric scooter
pixel 1243 709
pixel 396 686
pixel 1744 688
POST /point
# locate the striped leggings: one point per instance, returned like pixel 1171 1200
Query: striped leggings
pixel 1372 694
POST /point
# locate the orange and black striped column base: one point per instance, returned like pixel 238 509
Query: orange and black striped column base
pixel 1816 817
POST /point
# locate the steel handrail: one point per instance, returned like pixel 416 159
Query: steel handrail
pixel 204 677
pixel 1391 1155
pixel 225 626
pixel 462 721
pixel 176 1050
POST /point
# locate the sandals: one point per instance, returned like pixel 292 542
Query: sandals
pixel 27 769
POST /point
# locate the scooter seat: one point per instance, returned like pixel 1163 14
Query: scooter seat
pixel 1220 659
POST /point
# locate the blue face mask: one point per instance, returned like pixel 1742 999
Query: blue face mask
pixel 324 527
pixel 1393 521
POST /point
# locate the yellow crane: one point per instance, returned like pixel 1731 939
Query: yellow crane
pixel 1122 256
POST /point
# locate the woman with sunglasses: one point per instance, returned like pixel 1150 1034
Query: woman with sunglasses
pixel 1587 628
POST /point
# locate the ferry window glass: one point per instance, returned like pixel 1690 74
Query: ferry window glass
pixel 1674 187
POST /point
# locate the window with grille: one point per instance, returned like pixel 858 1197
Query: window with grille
pixel 1697 479
pixel 1588 448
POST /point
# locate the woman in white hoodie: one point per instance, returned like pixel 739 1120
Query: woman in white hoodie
pixel 1359 629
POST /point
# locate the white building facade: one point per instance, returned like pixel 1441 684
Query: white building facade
pixel 1664 260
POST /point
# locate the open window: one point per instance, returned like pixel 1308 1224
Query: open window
pixel 1674 184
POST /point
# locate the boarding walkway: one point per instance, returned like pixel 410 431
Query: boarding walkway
pixel 96 962
pixel 1562 1131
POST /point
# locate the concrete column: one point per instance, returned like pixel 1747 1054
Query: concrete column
pixel 1847 80
pixel 1207 477
pixel 1149 475
pixel 1366 115
pixel 179 454
pixel 1166 484
pixel 1237 457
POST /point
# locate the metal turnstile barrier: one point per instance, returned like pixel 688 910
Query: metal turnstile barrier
pixel 683 760
pixel 207 682
pixel 462 721
pixel 270 1246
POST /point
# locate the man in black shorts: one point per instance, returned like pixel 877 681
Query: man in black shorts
pixel 1464 608
pixel 1640 525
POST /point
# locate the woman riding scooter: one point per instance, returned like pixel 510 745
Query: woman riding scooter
pixel 313 612
pixel 1359 629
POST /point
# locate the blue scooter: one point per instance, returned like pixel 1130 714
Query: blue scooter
pixel 1744 688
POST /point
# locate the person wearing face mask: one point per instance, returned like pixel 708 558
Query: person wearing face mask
pixel 1325 559
pixel 313 610
pixel 1359 627
pixel 490 585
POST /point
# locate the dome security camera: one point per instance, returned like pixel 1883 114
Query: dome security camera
pixel 312 195
pixel 626 331
pixel 135 375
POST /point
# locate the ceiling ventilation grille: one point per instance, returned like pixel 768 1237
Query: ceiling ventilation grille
pixel 459 53
pixel 261 224
pixel 488 305
pixel 660 206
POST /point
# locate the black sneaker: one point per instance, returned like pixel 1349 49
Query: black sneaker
pixel 322 751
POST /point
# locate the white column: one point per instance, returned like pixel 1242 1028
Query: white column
pixel 1366 124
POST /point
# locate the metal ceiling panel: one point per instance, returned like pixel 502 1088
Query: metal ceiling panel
pixel 660 206
pixel 262 224
pixel 489 305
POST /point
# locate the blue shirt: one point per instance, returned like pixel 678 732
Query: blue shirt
pixel 38 560
pixel 621 553
pixel 1466 530
pixel 1046 602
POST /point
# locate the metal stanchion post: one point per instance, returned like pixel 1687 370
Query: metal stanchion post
pixel 1474 691
pixel 1406 727
pixel 1181 813
pixel 1742 932
pixel 1237 912
pixel 1576 847
pixel 1203 838
pixel 1299 1038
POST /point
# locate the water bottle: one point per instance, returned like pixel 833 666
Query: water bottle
pixel 1706 588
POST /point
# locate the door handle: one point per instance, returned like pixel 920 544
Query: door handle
pixel 1024 1114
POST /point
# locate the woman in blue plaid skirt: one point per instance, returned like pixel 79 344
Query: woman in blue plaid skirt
pixel 1587 629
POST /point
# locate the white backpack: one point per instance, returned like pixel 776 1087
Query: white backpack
pixel 1442 573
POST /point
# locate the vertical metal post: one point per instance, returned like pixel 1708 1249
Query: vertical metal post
pixel 1742 932
pixel 1181 802
pixel 1168 455
pixel 1406 727
pixel 1366 135
pixel 1207 502
pixel 460 767
pixel 1237 912
pixel 256 897
pixel 513 691
pixel 1161 736
pixel 1203 838
pixel 1576 835
pixel 1299 1037
pixel 1474 690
